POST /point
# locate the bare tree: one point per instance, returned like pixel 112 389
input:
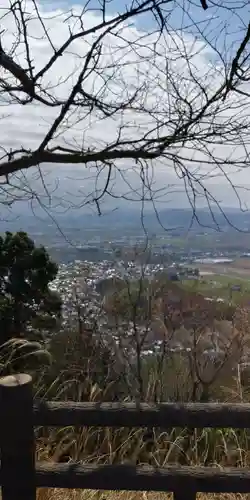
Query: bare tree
pixel 158 85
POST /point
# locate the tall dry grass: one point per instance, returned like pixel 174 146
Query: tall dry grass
pixel 224 447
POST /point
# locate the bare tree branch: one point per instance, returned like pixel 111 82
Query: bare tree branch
pixel 109 93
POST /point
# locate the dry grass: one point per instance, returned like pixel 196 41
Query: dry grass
pixel 58 494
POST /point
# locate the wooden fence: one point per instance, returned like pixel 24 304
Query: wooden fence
pixel 20 476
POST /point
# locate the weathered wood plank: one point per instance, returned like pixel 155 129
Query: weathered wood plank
pixel 131 478
pixel 139 415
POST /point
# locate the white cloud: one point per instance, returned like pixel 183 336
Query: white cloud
pixel 128 61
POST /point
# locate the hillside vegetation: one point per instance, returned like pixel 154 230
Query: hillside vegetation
pixel 163 342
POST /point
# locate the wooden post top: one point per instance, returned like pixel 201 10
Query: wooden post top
pixel 15 380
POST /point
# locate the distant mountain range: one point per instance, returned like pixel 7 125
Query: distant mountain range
pixel 179 219
pixel 75 235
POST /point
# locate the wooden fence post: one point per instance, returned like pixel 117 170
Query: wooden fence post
pixel 184 493
pixel 17 444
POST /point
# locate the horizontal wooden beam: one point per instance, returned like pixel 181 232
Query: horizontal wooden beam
pixel 163 415
pixel 131 478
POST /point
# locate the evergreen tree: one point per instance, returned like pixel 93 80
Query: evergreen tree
pixel 26 301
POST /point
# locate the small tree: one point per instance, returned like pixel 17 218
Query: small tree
pixel 25 298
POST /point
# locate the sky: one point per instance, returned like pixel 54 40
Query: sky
pixel 204 35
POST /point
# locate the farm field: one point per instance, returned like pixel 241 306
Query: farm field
pixel 238 267
pixel 219 286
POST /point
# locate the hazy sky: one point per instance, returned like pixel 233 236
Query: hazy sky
pixel 222 30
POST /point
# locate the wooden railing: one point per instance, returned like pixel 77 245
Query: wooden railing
pixel 20 476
